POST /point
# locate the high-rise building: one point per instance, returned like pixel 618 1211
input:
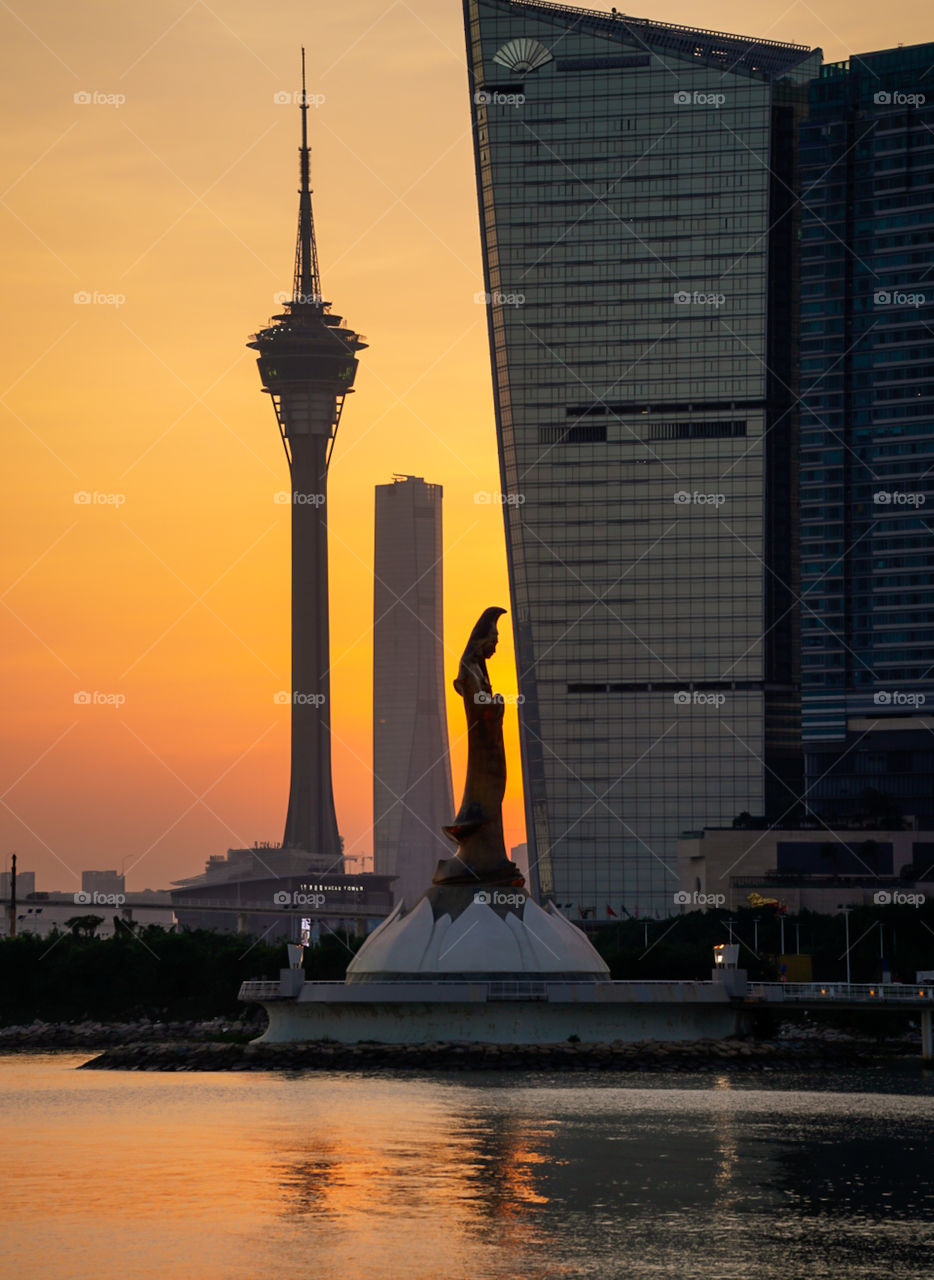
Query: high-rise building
pixel 639 230
pixel 25 884
pixel 519 854
pixel 307 363
pixel 867 437
pixel 103 882
pixel 412 796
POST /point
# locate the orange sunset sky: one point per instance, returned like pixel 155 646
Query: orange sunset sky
pixel 181 201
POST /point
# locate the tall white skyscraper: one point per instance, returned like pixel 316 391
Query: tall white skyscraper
pixel 412 796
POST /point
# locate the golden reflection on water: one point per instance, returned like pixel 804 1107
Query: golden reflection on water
pixel 453 1176
pixel 233 1176
pixel 159 1170
pixel 725 1123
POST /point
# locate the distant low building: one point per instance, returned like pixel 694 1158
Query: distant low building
pixel 253 863
pixel 46 913
pixel 813 869
pixel 276 894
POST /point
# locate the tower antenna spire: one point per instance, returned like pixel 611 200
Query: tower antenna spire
pixel 307 283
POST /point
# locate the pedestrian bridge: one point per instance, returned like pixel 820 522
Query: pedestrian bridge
pixel 821 994
pixel 817 996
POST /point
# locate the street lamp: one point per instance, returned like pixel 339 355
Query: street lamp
pixel 846 917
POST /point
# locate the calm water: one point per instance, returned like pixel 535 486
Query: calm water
pixel 125 1176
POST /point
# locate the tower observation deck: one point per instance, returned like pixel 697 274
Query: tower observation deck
pixel 307 363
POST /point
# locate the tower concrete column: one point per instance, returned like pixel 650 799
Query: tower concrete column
pixel 311 822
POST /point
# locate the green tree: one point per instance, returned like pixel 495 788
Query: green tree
pixel 84 926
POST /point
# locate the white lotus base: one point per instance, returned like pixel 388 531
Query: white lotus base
pixel 483 938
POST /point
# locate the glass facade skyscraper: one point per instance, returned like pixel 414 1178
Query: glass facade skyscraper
pixel 867 424
pixel 639 235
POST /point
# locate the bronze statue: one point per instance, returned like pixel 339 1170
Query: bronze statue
pixel 478 828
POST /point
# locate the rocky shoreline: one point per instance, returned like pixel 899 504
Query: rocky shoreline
pixel 226 1045
pixel 646 1055
pixel 103 1035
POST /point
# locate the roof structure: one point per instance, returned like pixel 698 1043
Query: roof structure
pixel 772 58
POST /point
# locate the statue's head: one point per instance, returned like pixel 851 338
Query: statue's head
pixel 472 675
pixel 485 635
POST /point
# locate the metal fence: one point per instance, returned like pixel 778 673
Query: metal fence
pixel 518 990
pixel 254 990
pixel 868 992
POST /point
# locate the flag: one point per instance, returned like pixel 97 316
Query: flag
pixel 610 911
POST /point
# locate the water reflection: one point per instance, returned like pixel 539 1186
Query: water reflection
pixel 453 1170
pixel 726 1132
pixel 230 1176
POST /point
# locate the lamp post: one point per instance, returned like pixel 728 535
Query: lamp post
pixel 846 919
pixel 755 933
